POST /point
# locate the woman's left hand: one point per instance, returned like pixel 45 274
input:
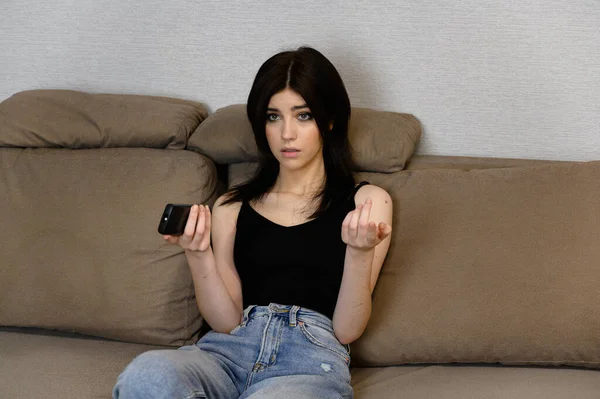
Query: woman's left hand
pixel 361 233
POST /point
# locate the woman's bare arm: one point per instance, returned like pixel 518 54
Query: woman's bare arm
pixel 216 282
pixel 367 232
pixel 214 301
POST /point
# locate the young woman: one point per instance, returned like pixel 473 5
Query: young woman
pixel 296 252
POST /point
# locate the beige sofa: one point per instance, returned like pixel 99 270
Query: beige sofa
pixel 489 290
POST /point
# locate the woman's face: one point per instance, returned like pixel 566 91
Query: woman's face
pixel 292 133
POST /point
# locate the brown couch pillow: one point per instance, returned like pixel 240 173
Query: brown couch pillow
pixel 73 119
pixel 80 249
pixel 382 141
pixel 494 265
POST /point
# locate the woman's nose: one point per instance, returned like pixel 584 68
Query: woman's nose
pixel 288 130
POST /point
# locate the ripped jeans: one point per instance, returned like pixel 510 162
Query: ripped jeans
pixel 278 351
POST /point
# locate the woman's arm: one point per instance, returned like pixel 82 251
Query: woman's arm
pixel 367 233
pixel 215 303
pixel 216 282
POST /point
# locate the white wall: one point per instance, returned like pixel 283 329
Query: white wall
pixel 513 78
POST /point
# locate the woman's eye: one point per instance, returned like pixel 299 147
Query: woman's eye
pixel 272 117
pixel 305 116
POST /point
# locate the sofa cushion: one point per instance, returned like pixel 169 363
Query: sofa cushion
pixel 73 119
pixel 239 172
pixel 80 248
pixel 381 141
pixel 474 382
pixel 419 162
pixel 490 265
pixel 34 365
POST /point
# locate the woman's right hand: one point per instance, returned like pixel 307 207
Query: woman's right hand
pixel 196 236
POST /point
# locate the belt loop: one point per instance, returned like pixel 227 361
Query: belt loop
pixel 246 314
pixel 293 312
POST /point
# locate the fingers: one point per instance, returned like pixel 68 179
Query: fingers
pixel 372 233
pixel 201 240
pixel 360 219
pixel 356 223
pixel 196 234
pixel 359 231
pixel 200 228
pixel 190 226
pixel 204 244
pixel 353 227
pixel 363 220
pixel 346 226
pixel 383 230
pixel 171 239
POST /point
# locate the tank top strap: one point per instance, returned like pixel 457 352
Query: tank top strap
pixel 247 213
pixel 359 185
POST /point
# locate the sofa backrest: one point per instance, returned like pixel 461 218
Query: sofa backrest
pixel 491 260
pixel 74 119
pixel 489 265
pixel 80 249
pixel 381 141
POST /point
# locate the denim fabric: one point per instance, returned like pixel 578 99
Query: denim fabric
pixel 277 351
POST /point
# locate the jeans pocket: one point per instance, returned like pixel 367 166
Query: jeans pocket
pixel 325 339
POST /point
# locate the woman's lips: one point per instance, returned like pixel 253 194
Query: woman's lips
pixel 290 153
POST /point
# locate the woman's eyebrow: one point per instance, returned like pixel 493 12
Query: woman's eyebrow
pixel 294 108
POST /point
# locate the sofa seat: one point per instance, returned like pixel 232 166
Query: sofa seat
pixel 37 365
pixel 34 364
pixel 475 382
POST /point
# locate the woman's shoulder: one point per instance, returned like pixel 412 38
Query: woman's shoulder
pixel 221 202
pixel 226 212
pixel 366 190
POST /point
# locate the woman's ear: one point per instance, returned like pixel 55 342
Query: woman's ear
pixel 330 126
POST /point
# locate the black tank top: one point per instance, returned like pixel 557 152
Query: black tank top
pixel 296 265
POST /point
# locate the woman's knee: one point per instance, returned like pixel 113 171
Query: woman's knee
pixel 153 374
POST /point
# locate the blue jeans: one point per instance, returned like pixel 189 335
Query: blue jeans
pixel 278 351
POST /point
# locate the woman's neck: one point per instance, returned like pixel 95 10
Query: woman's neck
pixel 304 183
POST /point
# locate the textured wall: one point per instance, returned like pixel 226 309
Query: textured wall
pixel 486 78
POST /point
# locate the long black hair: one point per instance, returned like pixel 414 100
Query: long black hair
pixel 310 74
